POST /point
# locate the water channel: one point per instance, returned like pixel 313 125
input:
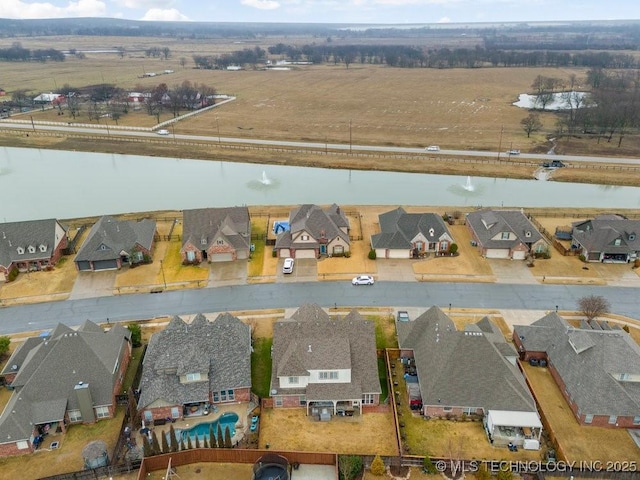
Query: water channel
pixel 39 183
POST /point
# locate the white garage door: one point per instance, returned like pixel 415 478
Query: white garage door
pixel 497 253
pixel 305 254
pixel 222 257
pixel 519 255
pixel 404 253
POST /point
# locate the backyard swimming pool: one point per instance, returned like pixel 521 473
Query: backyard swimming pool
pixel 201 430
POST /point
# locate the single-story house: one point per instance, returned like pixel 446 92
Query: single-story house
pixel 597 370
pixel 314 232
pixel 470 372
pixel 505 234
pixel 189 367
pixel 410 235
pixel 30 245
pixel 216 235
pixel 113 243
pixel 69 376
pixel 327 365
pixel 608 239
pixel 49 98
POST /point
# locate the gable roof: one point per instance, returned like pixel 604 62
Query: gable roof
pixel 488 223
pixel 590 363
pixel 32 233
pixel 109 238
pixel 311 340
pixel 220 349
pixel 203 226
pixel 52 366
pixel 602 232
pixel 318 223
pixel 398 228
pixel 463 368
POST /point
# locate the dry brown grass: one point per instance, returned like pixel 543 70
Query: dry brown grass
pixel 55 283
pixel 576 441
pixel 198 471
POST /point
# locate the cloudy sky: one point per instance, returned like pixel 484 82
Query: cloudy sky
pixel 327 11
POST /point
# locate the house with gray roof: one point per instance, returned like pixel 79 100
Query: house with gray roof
pixel 410 235
pixel 470 372
pixel 607 239
pixel 66 377
pixel 326 364
pixel 113 243
pixel 505 234
pixel 597 371
pixel 30 245
pixel 314 232
pixel 216 235
pixel 188 367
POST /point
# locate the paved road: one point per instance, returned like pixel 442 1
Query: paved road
pixel 322 146
pixel 254 297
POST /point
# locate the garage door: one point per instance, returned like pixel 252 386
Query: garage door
pixel 519 255
pixel 305 254
pixel 222 257
pixel 83 266
pixel 105 265
pixel 284 253
pixel 497 253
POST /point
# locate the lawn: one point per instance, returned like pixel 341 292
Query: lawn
pixel 261 366
pixel 256 262
pixel 384 384
pixel 136 358
pixel 385 331
pixel 175 271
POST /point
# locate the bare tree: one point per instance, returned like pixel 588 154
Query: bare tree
pixel 349 466
pixel 531 123
pixel 183 62
pixel 593 306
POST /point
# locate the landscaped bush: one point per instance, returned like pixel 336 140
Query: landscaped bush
pixel 13 274
pixel 377 466
pixel 582 258
pixel 428 466
pixel 372 254
pixel 453 249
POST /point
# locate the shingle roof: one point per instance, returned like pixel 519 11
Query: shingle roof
pixel 311 340
pixel 44 386
pixel 600 234
pixel 398 228
pixel 589 363
pixel 489 224
pixel 232 224
pixel 220 349
pixel 109 238
pixel 318 223
pixel 38 234
pixel 462 368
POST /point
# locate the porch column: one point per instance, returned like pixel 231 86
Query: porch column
pixel 335 407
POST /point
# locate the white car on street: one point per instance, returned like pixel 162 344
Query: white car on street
pixel 362 280
pixel 163 132
pixel 433 148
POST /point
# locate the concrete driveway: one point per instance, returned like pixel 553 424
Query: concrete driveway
pixel 511 271
pixel 304 270
pixel 395 270
pixel 222 274
pixel 93 284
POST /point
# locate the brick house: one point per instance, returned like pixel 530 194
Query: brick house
pixel 216 235
pixel 188 367
pixel 597 370
pixel 112 243
pixel 30 245
pixel 607 239
pixel 408 235
pixel 469 372
pixel 327 365
pixel 314 232
pixel 67 377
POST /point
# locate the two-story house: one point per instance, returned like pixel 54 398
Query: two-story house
pixel 324 364
pixel 314 232
pixel 190 366
pixel 608 239
pixel 410 235
pixel 504 234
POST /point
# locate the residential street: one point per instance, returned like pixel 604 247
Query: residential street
pixel 291 295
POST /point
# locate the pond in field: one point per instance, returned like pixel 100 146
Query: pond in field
pixel 36 183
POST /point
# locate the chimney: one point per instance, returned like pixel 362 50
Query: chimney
pixel 85 402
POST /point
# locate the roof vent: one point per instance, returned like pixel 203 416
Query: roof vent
pixel 14 367
pixel 80 383
pixel 309 349
pixel 274 391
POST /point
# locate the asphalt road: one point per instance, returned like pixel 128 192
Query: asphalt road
pixel 327 294
pixel 321 146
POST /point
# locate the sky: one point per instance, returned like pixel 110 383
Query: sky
pixel 328 11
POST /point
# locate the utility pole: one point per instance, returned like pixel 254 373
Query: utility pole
pixel 500 142
pixel 218 127
pixel 350 143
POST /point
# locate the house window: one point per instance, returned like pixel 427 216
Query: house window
pixel 636 420
pixel 223 396
pixel 588 418
pixel 469 410
pixel 613 419
pixel 624 376
pixel 617 242
pixel 302 400
pixel 231 395
pixel 367 399
pixel 175 412
pixel 75 416
pixel 447 409
pixel 148 416
pixel 203 241
pixel 293 380
pixel 102 412
pixel 193 377
pixel 305 237
pixel 419 246
pixel 138 256
pixel 216 397
pixel 191 256
pixel 328 375
pixel 220 242
pixel 444 245
pixel 504 235
pixel 278 401
pixel 21 445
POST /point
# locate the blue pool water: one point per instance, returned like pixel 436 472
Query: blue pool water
pixel 201 430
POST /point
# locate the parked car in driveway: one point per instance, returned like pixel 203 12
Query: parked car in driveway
pixel 362 280
pixel 288 265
